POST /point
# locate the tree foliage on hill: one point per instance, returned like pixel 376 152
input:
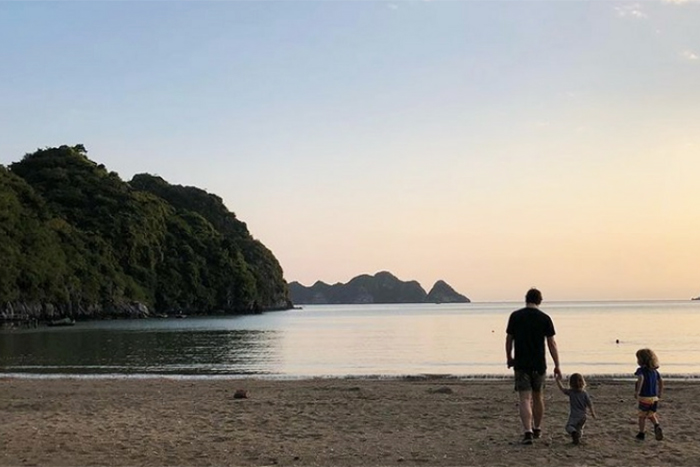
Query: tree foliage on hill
pixel 266 273
pixel 79 241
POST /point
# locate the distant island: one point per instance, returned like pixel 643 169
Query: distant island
pixel 383 287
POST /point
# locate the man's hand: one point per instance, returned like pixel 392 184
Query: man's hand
pixel 511 362
pixel 557 372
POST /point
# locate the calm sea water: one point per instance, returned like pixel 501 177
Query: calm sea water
pixel 464 340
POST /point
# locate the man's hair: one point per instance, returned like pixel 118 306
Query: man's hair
pixel 533 296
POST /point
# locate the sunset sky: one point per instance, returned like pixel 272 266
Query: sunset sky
pixel 496 145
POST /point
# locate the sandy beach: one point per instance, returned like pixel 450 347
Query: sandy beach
pixel 324 422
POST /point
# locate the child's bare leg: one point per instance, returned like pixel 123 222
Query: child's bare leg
pixel 658 432
pixel 642 422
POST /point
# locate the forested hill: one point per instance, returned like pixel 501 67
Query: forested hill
pixel 77 241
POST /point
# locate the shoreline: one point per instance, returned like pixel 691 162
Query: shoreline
pixel 626 377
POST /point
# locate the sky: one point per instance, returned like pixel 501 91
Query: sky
pixel 496 145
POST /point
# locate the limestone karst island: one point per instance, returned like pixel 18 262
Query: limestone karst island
pixel 383 287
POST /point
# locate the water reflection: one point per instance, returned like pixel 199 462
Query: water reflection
pixel 118 350
pixel 347 340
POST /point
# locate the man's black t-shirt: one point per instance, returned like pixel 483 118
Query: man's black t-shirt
pixel 529 328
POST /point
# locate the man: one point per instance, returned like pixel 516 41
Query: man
pixel 528 328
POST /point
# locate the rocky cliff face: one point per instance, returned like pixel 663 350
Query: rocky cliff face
pixel 383 287
pixel 23 312
pixel 443 293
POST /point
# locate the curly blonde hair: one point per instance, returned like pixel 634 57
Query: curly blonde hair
pixel 647 358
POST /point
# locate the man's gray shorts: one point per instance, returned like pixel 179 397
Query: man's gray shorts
pixel 529 380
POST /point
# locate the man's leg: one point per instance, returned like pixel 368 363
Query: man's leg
pixel 537 409
pixel 526 410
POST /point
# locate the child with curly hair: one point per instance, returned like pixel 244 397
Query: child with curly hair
pixel 647 391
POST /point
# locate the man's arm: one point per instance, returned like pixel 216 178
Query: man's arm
pixel 554 352
pixel 509 350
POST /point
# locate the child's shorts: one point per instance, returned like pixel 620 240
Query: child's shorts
pixel 648 405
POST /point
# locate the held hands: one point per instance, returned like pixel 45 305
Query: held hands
pixel 557 372
pixel 557 379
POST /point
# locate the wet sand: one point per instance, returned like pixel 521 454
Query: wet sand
pixel 326 422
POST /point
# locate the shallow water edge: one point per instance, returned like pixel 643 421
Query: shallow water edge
pixel 418 377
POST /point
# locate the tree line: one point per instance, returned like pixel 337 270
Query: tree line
pixel 76 240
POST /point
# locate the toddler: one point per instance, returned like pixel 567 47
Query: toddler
pixel 579 401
